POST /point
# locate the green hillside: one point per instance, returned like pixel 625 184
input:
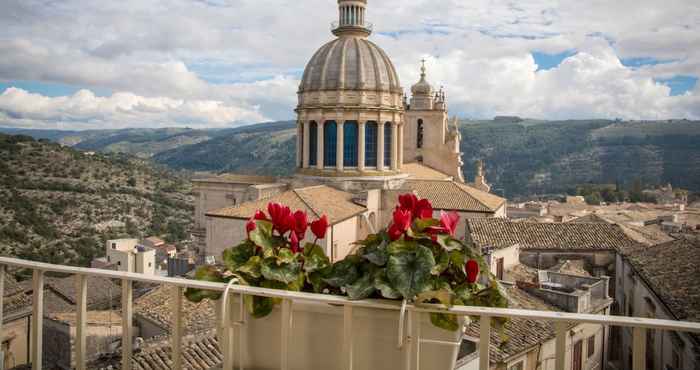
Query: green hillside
pixel 59 205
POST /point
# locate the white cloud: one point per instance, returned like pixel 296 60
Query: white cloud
pixel 83 110
pixel 249 54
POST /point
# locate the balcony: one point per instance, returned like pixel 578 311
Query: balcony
pixel 408 340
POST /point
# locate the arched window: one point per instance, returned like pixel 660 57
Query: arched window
pixel 330 141
pixel 313 143
pixel 387 144
pixel 350 144
pixel 419 134
pixel 371 144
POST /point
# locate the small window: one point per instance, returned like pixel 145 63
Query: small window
pixel 149 264
pixel 109 259
pixel 517 366
pixel 591 346
pixel 114 245
pixel 119 263
pixel 419 134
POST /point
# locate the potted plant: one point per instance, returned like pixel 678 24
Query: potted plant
pixel 416 259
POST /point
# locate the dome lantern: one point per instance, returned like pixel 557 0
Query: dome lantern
pixel 422 87
pixel 351 19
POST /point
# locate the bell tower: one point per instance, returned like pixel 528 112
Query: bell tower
pixel 428 138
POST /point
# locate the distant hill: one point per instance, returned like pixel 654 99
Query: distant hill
pixel 267 148
pixel 522 156
pixel 59 205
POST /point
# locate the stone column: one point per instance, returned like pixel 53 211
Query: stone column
pixel 380 146
pixel 300 140
pixel 361 146
pixel 319 146
pixel 339 148
pixel 394 146
pixel 400 146
pixel 307 144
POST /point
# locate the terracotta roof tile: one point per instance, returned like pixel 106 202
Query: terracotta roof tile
pixel 102 292
pixel 422 172
pixel 199 352
pixel 314 200
pixel 452 195
pixel 156 305
pixel 671 269
pixel 232 178
pixel 502 233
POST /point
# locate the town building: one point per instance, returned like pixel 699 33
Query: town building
pixel 128 255
pixel 660 282
pixel 16 317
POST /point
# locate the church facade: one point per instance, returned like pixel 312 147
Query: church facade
pixel 360 143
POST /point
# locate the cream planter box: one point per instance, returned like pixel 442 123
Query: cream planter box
pixel 316 339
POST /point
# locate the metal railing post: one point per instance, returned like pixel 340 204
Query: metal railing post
pixel 37 319
pixel 177 327
pixel 127 325
pixel 3 270
pixel 560 328
pixel 81 329
pixel 285 333
pixel 484 341
pixel 347 337
pixel 639 344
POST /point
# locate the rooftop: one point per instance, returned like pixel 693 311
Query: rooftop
pixel 156 306
pixel 503 233
pixel 671 270
pixel 315 200
pixel 422 172
pixel 231 178
pixel 452 195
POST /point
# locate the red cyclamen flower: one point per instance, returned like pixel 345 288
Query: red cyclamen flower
pixel 294 242
pixel 250 226
pixel 279 215
pixel 408 202
pixel 423 209
pixel 402 219
pixel 300 224
pixel 472 268
pixel 448 221
pixel 394 232
pixel 260 215
pixel 319 227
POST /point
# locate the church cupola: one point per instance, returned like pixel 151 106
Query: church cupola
pixel 351 21
pixel 422 87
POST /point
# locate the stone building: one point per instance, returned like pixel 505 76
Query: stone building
pixel 16 318
pixel 360 143
pixel 660 282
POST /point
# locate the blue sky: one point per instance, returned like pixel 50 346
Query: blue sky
pixel 221 63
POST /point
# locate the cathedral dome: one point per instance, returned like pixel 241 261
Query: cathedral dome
pixel 350 63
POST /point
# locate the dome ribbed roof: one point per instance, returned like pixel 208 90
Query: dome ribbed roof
pixel 350 63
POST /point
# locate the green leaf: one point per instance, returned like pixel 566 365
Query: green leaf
pixel 286 272
pixel 259 306
pixel 205 273
pixel 377 254
pixel 401 246
pixel 316 279
pixel 371 239
pixel 361 288
pixel 445 321
pixel 237 256
pixel 297 284
pixel 285 256
pixel 456 268
pixel 381 282
pixel 343 273
pixel 271 284
pixel 262 235
pixel 409 272
pixel 252 267
pixel 449 243
pixel 441 263
pixel 316 259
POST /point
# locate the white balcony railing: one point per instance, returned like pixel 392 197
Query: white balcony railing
pixel 560 319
